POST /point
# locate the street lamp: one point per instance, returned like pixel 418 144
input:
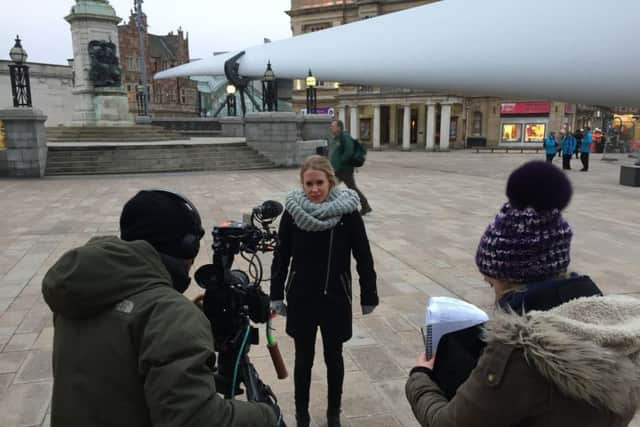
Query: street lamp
pixel 20 84
pixel 143 88
pixel 312 99
pixel 231 100
pixel 269 90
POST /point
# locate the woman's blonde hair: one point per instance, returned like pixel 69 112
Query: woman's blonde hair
pixel 322 164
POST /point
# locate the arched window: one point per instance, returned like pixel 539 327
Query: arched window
pixel 476 124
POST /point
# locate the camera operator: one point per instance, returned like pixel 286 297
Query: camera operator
pixel 129 348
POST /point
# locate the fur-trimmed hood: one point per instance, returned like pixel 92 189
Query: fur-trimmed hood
pixel 588 347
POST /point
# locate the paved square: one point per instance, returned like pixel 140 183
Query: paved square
pixel 430 210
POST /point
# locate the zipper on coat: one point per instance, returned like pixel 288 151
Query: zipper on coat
pixel 287 288
pixel 346 288
pixel 326 282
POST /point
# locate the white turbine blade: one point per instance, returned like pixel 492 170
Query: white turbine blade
pixel 572 50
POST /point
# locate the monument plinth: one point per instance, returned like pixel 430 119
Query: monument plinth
pixel 100 98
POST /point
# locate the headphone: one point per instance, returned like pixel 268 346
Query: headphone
pixel 190 242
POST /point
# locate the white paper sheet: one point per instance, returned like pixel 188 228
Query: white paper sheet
pixel 444 315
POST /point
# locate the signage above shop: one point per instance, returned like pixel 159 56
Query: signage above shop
pixel 525 108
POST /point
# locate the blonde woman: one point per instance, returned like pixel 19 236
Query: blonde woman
pixel 319 230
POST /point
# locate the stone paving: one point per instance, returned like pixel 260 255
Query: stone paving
pixel 430 209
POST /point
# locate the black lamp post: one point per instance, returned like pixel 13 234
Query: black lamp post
pixel 269 90
pixel 312 99
pixel 231 100
pixel 20 84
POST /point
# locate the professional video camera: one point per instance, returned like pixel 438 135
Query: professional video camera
pixel 233 297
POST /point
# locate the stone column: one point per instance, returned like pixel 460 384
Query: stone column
pixel 431 126
pixel 406 128
pixel 445 125
pixel 422 134
pixel 393 125
pixel 342 114
pixel 26 142
pixel 354 130
pixel 376 127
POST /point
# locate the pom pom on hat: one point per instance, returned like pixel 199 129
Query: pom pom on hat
pixel 529 240
pixel 539 185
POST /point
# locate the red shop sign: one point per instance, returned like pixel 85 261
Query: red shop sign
pixel 525 108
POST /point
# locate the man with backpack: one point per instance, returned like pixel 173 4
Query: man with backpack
pixel 344 154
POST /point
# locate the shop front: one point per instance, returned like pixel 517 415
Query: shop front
pixel 523 123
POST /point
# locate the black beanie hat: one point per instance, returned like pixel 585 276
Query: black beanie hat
pixel 168 221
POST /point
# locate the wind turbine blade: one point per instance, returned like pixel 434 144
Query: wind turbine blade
pixel 572 50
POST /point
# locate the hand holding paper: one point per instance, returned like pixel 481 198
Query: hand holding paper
pixel 444 315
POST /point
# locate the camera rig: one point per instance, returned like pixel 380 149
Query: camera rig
pixel 233 297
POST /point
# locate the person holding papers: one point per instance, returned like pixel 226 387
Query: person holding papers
pixel 557 352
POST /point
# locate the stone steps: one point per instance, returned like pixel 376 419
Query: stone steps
pixel 89 160
pixel 112 134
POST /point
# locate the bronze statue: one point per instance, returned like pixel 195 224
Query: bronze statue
pixel 105 67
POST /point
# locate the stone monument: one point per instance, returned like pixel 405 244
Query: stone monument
pixel 100 99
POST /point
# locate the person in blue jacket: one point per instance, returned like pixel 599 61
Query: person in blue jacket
pixel 568 146
pixel 585 149
pixel 550 146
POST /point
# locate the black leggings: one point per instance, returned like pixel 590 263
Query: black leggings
pixel 305 350
pixel 584 157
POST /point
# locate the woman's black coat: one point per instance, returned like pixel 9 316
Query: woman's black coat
pixel 318 284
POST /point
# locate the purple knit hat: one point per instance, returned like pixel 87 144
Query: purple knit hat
pixel 529 240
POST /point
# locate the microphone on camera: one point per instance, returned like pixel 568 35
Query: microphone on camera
pixel 269 209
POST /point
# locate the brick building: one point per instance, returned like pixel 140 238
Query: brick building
pixel 169 98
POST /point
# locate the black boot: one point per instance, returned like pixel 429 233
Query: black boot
pixel 333 418
pixel 303 420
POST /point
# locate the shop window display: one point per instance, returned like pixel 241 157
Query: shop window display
pixel 511 132
pixel 534 132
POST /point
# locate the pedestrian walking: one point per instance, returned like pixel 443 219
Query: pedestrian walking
pixel 550 146
pixel 319 230
pixel 557 352
pixel 568 147
pixel 341 150
pixel 578 135
pixel 585 149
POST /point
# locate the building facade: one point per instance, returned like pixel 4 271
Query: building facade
pixel 168 98
pixel 413 118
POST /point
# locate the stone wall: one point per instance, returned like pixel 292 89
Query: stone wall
pixel 51 87
pixel 285 138
pixel 25 141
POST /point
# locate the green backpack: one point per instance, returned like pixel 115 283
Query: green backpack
pixel 359 154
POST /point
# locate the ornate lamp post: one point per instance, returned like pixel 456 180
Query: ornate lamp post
pixel 231 100
pixel 20 84
pixel 142 88
pixel 269 90
pixel 311 94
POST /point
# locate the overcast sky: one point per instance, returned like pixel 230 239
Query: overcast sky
pixel 213 25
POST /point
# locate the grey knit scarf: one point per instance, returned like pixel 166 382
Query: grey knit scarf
pixel 311 216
